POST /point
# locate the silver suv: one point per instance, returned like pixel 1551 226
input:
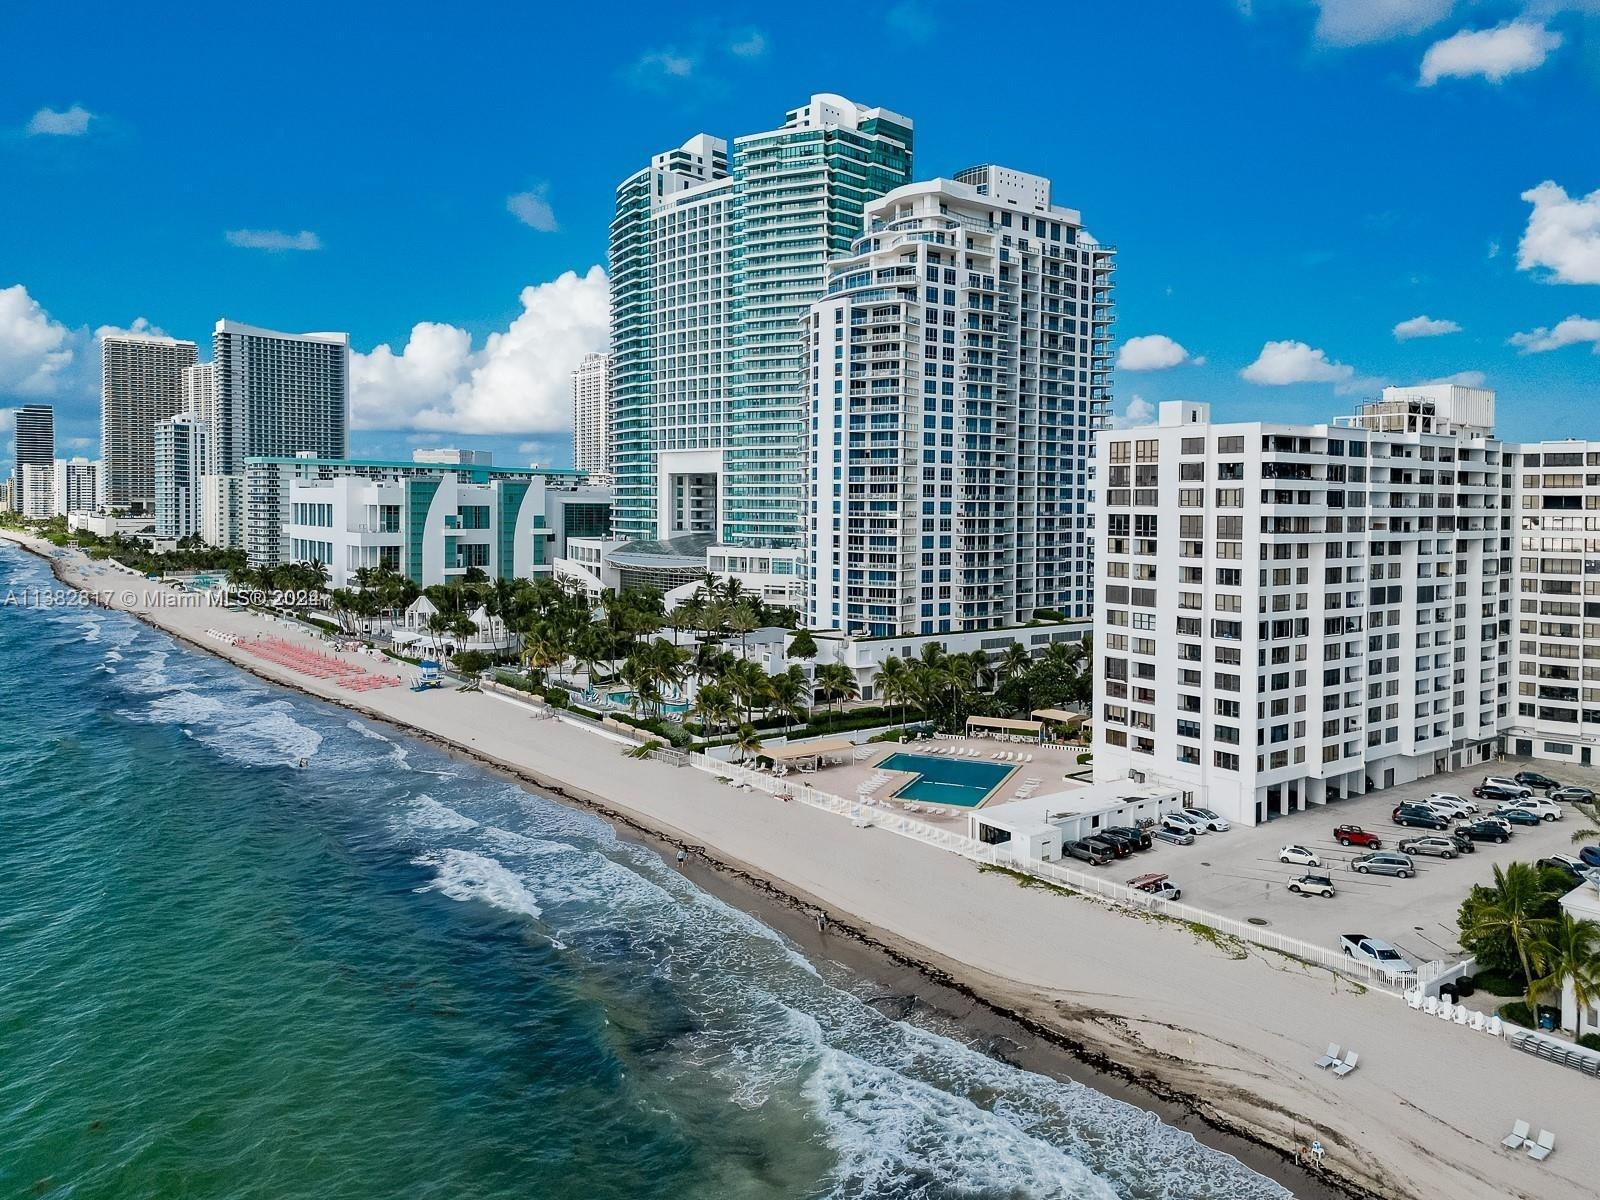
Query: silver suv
pixel 1385 862
pixel 1443 847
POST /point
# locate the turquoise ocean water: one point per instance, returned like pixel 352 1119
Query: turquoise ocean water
pixel 389 974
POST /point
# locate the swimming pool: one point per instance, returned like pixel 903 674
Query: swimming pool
pixel 960 782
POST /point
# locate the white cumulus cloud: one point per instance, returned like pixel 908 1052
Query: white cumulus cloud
pixel 1282 363
pixel 273 239
pixel 1355 22
pixel 1573 331
pixel 533 209
pixel 1462 378
pixel 38 354
pixel 1508 49
pixel 1139 412
pixel 750 44
pixel 71 122
pixel 1563 235
pixel 1424 327
pixel 1151 352
pixel 519 381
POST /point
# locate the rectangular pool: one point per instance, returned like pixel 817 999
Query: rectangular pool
pixel 956 781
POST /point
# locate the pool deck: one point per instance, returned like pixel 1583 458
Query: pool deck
pixel 1050 765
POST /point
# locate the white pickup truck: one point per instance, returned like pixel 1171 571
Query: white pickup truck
pixel 1375 953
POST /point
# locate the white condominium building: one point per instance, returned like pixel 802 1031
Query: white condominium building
pixel 432 522
pixel 273 394
pixel 141 384
pixel 1290 614
pixel 36 490
pixel 182 445
pixel 958 368
pixel 1555 512
pixel 591 417
pixel 713 271
pixel 76 486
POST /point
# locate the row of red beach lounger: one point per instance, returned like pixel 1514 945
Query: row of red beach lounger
pixel 315 663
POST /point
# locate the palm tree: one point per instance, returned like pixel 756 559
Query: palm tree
pixel 748 742
pixel 894 683
pixel 787 694
pixel 837 681
pixel 742 620
pixel 714 706
pixel 1510 908
pixel 1567 952
pixel 1013 662
pixel 748 682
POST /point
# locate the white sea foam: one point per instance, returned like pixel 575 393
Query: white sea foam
pixel 426 813
pixel 257 734
pixel 463 875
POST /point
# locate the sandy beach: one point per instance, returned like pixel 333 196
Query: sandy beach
pixel 1224 1033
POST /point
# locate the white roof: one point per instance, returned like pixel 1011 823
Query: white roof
pixel 1072 802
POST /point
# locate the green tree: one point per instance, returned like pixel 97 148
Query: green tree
pixel 748 742
pixel 836 682
pixel 714 706
pixel 787 694
pixel 803 645
pixel 1565 951
pixel 1516 909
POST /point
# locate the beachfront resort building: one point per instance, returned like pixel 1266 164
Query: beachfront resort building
pixel 141 385
pixel 269 395
pixel 36 490
pixel 432 522
pixel 34 431
pixel 591 417
pixel 957 369
pixel 75 484
pixel 714 266
pixel 181 455
pixel 1289 614
pixel 1555 527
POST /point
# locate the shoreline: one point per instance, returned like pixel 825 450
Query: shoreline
pixel 1197 1065
pixel 862 955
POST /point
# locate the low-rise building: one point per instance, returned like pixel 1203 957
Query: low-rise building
pixel 1040 826
pixel 432 522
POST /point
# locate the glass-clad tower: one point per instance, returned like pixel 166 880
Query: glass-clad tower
pixel 713 269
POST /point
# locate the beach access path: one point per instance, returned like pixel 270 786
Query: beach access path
pixel 1230 1029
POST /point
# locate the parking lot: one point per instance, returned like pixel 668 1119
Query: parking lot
pixel 1237 874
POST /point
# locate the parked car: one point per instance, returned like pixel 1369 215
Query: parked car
pixel 1435 844
pixel 1547 810
pixel 1486 831
pixel 1299 856
pixel 1213 822
pixel 1141 837
pixel 1354 835
pixel 1533 779
pixel 1185 821
pixel 1110 845
pixel 1375 952
pixel 1312 884
pixel 1518 816
pixel 1575 869
pixel 1129 843
pixel 1572 795
pixel 1589 856
pixel 1415 817
pixel 1511 785
pixel 1460 804
pixel 1385 862
pixel 1093 855
pixel 1156 885
pixel 1177 837
pixel 1463 841
pixel 1499 793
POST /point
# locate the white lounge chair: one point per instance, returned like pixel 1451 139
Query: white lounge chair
pixel 1430 1005
pixel 1446 1010
pixel 1331 1057
pixel 1413 998
pixel 1463 1014
pixel 1348 1065
pixel 1517 1138
pixel 1540 1150
pixel 1479 1022
pixel 1495 1026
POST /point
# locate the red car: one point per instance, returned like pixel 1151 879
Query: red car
pixel 1354 835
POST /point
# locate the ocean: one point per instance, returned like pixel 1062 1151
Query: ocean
pixel 391 974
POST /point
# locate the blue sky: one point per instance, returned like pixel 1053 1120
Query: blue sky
pixel 1287 181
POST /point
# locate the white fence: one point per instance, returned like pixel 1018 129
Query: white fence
pixel 1099 887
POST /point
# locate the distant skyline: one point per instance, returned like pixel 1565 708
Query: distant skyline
pixel 1310 198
